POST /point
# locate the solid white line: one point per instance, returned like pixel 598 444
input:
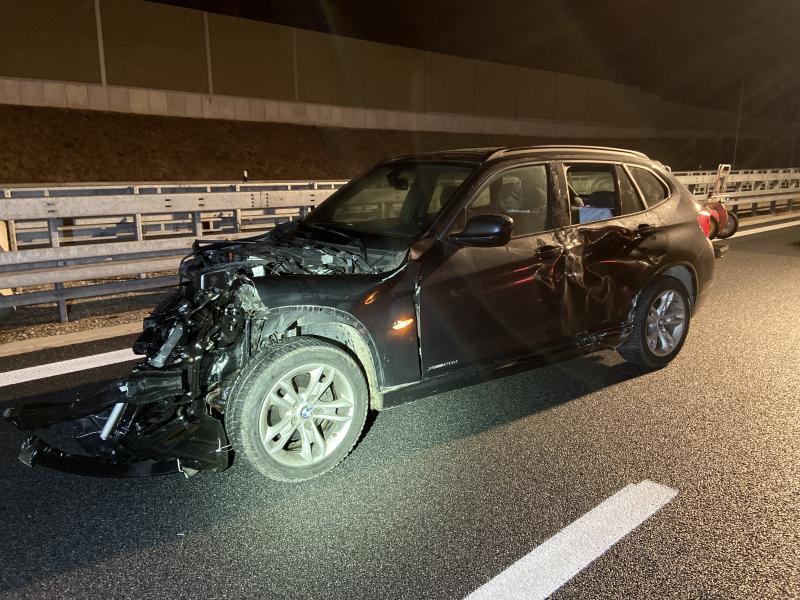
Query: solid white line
pixel 66 366
pixel 560 558
pixel 763 229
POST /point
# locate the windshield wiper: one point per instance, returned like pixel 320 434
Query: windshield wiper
pixel 356 241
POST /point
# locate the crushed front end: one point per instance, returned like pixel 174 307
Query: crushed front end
pixel 162 418
pixel 167 416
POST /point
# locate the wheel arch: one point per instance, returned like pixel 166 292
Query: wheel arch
pixel 337 327
pixel 683 272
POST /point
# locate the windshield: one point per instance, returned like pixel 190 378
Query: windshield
pixel 396 200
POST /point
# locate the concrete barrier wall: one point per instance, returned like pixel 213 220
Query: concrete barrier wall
pixel 330 69
pixel 154 46
pixel 496 89
pixel 395 78
pixel 251 59
pixel 49 39
pixel 136 50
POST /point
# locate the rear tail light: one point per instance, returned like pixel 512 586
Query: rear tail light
pixel 704 220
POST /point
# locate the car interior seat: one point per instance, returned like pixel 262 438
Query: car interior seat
pixel 602 200
pixel 509 198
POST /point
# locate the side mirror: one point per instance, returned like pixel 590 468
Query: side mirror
pixel 485 230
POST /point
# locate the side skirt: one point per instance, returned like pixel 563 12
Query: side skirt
pixel 393 397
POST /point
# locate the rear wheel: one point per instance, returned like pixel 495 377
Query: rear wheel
pixel 730 227
pixel 297 409
pixel 660 324
pixel 713 227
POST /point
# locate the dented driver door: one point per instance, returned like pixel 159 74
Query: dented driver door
pixel 479 306
pixel 486 305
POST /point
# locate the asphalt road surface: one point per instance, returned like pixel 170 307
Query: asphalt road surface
pixel 444 494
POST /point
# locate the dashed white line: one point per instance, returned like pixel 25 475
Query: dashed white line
pixel 66 366
pixel 560 558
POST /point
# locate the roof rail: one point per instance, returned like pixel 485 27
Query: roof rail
pixel 566 147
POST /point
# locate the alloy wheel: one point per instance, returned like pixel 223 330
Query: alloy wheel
pixel 666 323
pixel 306 414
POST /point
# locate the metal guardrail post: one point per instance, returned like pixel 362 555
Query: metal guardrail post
pixel 137 227
pixel 197 224
pixel 11 229
pixel 139 234
pixel 5 246
pixel 52 229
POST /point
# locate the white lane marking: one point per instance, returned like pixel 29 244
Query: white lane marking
pixel 66 366
pixel 560 558
pixel 763 229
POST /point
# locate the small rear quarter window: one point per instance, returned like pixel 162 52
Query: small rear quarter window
pixel 651 186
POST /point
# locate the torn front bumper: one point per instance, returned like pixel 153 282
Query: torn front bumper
pixel 166 416
pixel 144 426
pixel 36 452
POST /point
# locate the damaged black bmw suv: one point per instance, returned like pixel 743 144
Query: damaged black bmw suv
pixel 426 273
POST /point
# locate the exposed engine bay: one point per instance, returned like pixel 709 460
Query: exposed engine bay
pixel 168 415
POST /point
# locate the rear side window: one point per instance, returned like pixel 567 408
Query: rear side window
pixel 652 188
pixel 592 192
pixel 628 196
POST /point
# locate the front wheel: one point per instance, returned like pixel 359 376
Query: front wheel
pixel 660 324
pixel 297 409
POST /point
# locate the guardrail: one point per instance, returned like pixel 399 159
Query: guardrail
pixel 62 235
pixel 753 191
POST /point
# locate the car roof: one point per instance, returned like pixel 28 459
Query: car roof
pixel 482 155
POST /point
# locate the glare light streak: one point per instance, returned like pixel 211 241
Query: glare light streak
pixel 371 298
pixel 402 324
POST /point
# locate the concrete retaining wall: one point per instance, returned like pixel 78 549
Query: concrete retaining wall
pixel 31 92
pixel 143 57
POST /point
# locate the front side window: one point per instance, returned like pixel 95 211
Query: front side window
pixel 522 193
pixel 396 199
pixel 652 188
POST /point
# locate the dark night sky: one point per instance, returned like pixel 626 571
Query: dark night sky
pixel 696 52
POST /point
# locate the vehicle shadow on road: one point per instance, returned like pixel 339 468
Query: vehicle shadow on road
pixel 56 524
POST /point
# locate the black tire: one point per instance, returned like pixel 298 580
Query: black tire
pixel 731 227
pixel 636 349
pixel 249 394
pixel 713 228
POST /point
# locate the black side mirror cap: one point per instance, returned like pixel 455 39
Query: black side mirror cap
pixel 485 230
